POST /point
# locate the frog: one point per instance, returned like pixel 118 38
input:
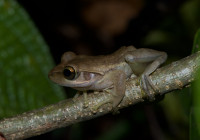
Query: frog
pixel 99 73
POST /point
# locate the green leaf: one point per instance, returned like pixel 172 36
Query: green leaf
pixel 195 108
pixel 196 44
pixel 24 63
pixel 194 126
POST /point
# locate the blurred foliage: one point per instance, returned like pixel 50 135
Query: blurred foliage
pixel 196 44
pixel 176 109
pixel 189 12
pixel 195 107
pixel 24 63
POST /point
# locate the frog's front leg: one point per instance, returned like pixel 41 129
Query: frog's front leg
pixel 85 104
pixel 118 80
pixel 119 87
pixel 144 62
pixel 76 96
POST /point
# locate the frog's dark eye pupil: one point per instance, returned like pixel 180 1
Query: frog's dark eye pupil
pixel 69 73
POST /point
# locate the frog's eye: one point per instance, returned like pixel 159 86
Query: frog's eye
pixel 69 73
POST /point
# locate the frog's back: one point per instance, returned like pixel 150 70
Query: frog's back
pixel 102 63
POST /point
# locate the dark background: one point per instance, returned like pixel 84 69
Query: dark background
pixel 96 27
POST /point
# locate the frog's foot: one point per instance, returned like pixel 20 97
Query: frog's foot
pixel 95 108
pixel 115 102
pixel 146 84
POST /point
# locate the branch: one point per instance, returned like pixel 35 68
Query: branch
pixel 67 112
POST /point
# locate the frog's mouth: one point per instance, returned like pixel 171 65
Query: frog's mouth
pixel 78 84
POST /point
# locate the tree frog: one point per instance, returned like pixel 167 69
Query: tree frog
pixel 101 72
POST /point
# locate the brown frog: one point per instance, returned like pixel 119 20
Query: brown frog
pixel 97 73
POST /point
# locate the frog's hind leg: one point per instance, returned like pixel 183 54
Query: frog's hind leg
pixel 151 57
pixel 150 69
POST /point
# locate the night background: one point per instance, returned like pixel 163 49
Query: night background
pixel 96 27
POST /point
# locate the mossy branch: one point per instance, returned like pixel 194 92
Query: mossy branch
pixel 171 77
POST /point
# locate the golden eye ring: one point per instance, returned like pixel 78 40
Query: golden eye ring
pixel 69 73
